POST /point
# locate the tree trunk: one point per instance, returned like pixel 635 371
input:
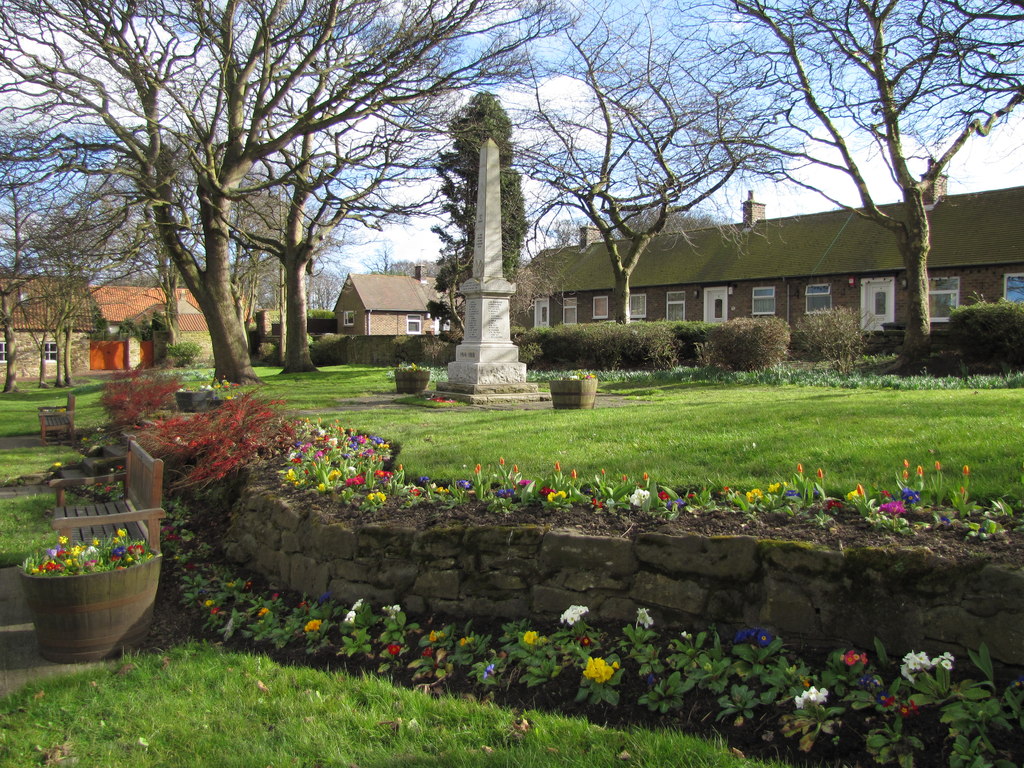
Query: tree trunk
pixel 293 321
pixel 212 289
pixel 620 293
pixel 58 376
pixel 11 378
pixel 69 374
pixel 914 243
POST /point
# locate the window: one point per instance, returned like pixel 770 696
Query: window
pixel 763 301
pixel 600 307
pixel 413 325
pixel 348 317
pixel 1014 288
pixel 3 351
pixel 819 297
pixel 50 352
pixel 637 306
pixel 943 296
pixel 675 305
pixel 569 311
pixel 540 313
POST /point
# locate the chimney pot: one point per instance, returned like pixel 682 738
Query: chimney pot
pixel 588 236
pixel 753 211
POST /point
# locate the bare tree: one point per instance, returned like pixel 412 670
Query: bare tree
pixel 192 96
pixel 907 81
pixel 323 288
pixel 643 125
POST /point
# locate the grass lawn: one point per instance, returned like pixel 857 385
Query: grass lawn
pixel 199 706
pixel 687 435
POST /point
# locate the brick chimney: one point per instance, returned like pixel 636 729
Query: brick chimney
pixel 417 273
pixel 589 236
pixel 753 211
pixel 932 193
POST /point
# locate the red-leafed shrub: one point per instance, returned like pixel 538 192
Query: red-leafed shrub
pixel 210 446
pixel 132 396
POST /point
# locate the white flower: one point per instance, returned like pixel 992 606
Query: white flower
pixel 686 636
pixel 811 696
pixel 639 497
pixel 573 614
pixel 945 660
pixel 915 662
pixel 350 617
pixel 643 618
pixel 392 610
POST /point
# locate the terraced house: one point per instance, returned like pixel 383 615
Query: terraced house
pixel 791 266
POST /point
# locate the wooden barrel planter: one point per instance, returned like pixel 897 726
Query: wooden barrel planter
pixel 194 402
pixel 92 617
pixel 573 393
pixel 411 382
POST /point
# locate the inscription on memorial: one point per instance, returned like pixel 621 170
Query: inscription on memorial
pixel 472 320
pixel 494 325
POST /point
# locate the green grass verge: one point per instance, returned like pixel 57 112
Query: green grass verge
pixel 689 434
pixel 199 706
pixel 24 527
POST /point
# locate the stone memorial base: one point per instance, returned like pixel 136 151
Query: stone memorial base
pixel 483 394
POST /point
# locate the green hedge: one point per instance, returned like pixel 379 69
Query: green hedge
pixel 989 333
pixel 656 345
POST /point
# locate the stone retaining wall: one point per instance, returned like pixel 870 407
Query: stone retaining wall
pixel 909 598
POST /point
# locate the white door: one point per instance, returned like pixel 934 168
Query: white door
pixel 716 305
pixel 540 313
pixel 877 302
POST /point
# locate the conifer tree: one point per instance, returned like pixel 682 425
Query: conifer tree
pixel 481 118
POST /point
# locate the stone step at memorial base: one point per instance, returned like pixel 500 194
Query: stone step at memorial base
pixel 491 394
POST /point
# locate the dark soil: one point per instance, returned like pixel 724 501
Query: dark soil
pixel 759 737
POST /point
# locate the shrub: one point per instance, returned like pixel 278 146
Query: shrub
pixel 990 333
pixel 268 354
pixel 184 354
pixel 132 396
pixel 605 345
pixel 747 344
pixel 206 447
pixel 320 314
pixel 329 349
pixel 689 336
pixel 834 337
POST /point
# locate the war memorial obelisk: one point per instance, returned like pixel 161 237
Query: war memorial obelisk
pixel 486 367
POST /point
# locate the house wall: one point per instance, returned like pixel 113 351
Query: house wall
pixel 790 294
pixel 27 365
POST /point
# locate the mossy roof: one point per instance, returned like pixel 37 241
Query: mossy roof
pixel 984 228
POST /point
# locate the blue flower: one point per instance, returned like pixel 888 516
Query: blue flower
pixel 793 494
pixel 464 484
pixel 504 493
pixel 323 598
pixel 1018 683
pixel 489 671
pixel 764 638
pixel 118 551
pixel 869 682
pixel 743 636
pixel 423 480
pixel 910 496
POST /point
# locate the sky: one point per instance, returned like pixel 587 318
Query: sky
pixel 995 162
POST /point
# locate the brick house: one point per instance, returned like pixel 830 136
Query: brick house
pixel 118 303
pixel 34 339
pixel 385 305
pixel 790 266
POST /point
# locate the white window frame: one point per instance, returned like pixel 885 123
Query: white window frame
pixel 768 295
pixel 954 293
pixel 348 318
pixel 50 352
pixel 600 308
pixel 816 293
pixel 1017 277
pixel 3 351
pixel 570 311
pixel 675 299
pixel 541 313
pixel 414 325
pixel 634 299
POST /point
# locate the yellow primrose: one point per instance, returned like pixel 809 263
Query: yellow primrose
pixel 774 487
pixel 755 494
pixel 262 612
pixel 856 493
pixel 599 670
pixel 313 625
pixel 531 637
pixel 554 495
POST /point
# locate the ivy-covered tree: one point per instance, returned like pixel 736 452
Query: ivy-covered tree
pixel 481 118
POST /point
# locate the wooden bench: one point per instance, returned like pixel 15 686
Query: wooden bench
pixel 58 421
pixel 139 512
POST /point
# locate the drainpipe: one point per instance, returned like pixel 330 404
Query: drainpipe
pixel 368 321
pixel 785 284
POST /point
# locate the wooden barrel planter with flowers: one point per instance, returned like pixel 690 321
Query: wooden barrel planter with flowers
pixel 92 616
pixel 573 393
pixel 411 382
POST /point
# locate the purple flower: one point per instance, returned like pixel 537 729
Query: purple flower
pixel 423 480
pixel 893 508
pixel 525 483
pixel 504 493
pixel 464 484
pixel 910 496
pixel 489 671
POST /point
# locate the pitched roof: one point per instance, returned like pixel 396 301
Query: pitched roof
pixel 395 293
pixel 118 303
pixel 983 228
